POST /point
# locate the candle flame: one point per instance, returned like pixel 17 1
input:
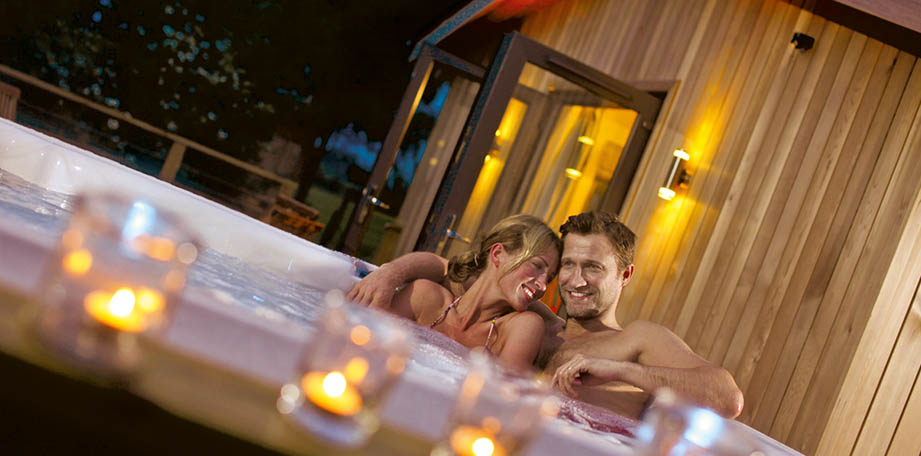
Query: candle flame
pixel 334 384
pixel 483 446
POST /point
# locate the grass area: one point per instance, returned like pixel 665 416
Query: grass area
pixel 327 202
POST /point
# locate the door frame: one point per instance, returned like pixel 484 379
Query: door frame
pixel 370 194
pixel 497 90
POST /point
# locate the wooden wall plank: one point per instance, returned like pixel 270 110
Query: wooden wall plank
pixel 649 254
pixel 755 119
pixel 785 201
pixel 901 370
pixel 907 439
pixel 758 189
pixel 798 212
pixel 832 348
pixel 833 271
pixel 867 90
pixel 703 127
pixel 733 117
pixel 871 327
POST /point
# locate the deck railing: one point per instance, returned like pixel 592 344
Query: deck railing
pixel 145 147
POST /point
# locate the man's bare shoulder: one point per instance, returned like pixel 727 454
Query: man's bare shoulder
pixel 657 345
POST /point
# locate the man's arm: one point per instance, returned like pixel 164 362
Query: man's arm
pixel 377 289
pixel 663 360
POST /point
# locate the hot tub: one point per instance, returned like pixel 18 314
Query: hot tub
pixel 248 310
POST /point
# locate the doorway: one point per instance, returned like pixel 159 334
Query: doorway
pixel 544 134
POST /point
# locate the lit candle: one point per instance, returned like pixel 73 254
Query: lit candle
pixel 125 310
pixel 472 441
pixel 331 392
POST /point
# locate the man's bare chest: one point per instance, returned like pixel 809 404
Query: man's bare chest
pixel 605 346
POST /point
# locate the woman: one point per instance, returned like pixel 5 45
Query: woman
pixel 511 267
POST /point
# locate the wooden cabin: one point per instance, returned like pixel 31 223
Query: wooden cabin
pixel 790 253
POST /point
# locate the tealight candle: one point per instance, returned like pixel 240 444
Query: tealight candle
pixel 120 265
pixel 472 441
pixel 494 416
pixel 331 392
pixel 348 367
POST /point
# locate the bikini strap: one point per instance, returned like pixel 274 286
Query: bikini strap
pixel 445 314
pixel 489 335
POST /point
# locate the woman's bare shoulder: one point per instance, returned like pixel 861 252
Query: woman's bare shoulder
pixel 422 298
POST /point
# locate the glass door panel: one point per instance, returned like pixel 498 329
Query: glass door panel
pixel 415 153
pixel 548 136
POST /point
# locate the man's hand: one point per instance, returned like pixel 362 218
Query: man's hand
pixel 376 289
pixel 585 371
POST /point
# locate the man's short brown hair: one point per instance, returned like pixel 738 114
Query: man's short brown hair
pixel 596 222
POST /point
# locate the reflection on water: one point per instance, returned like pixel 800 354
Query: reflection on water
pixel 44 213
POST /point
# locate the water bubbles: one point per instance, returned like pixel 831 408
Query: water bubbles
pixel 168 9
pixel 97 16
pixel 171 126
pixel 222 134
pixel 169 31
pixel 212 116
pixel 112 124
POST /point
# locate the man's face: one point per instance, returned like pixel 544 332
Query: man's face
pixel 590 281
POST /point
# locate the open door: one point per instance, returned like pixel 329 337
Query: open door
pixel 549 136
pixel 417 149
pixel 540 133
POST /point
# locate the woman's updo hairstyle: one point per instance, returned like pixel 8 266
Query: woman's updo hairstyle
pixel 523 236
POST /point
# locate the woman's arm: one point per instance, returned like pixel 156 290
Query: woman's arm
pixel 377 289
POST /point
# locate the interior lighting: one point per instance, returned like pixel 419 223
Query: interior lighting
pixel 573 173
pixel 586 140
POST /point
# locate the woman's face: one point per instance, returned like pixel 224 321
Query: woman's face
pixel 527 283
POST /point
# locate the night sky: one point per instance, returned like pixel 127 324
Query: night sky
pixel 228 74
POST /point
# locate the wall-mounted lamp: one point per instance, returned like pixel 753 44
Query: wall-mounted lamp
pixel 802 41
pixel 676 176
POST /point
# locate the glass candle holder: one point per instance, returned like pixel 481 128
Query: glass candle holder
pixel 116 274
pixel 345 372
pixel 673 427
pixel 495 416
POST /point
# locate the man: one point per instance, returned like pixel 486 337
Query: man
pixel 594 358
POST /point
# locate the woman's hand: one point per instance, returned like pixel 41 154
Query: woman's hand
pixel 376 289
pixel 585 371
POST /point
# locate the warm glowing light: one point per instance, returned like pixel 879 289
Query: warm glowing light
pixel 666 193
pixel 360 335
pixel 78 262
pixel 356 370
pixel 331 392
pixel 334 384
pixel 487 159
pixel 122 303
pixel 116 311
pixel 149 300
pixel 483 446
pixel 498 133
pixel 573 173
pixel 471 441
pixel 680 153
pixel 586 140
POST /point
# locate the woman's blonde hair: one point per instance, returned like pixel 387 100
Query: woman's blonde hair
pixel 524 236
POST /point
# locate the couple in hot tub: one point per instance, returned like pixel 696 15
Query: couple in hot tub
pixel 489 300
